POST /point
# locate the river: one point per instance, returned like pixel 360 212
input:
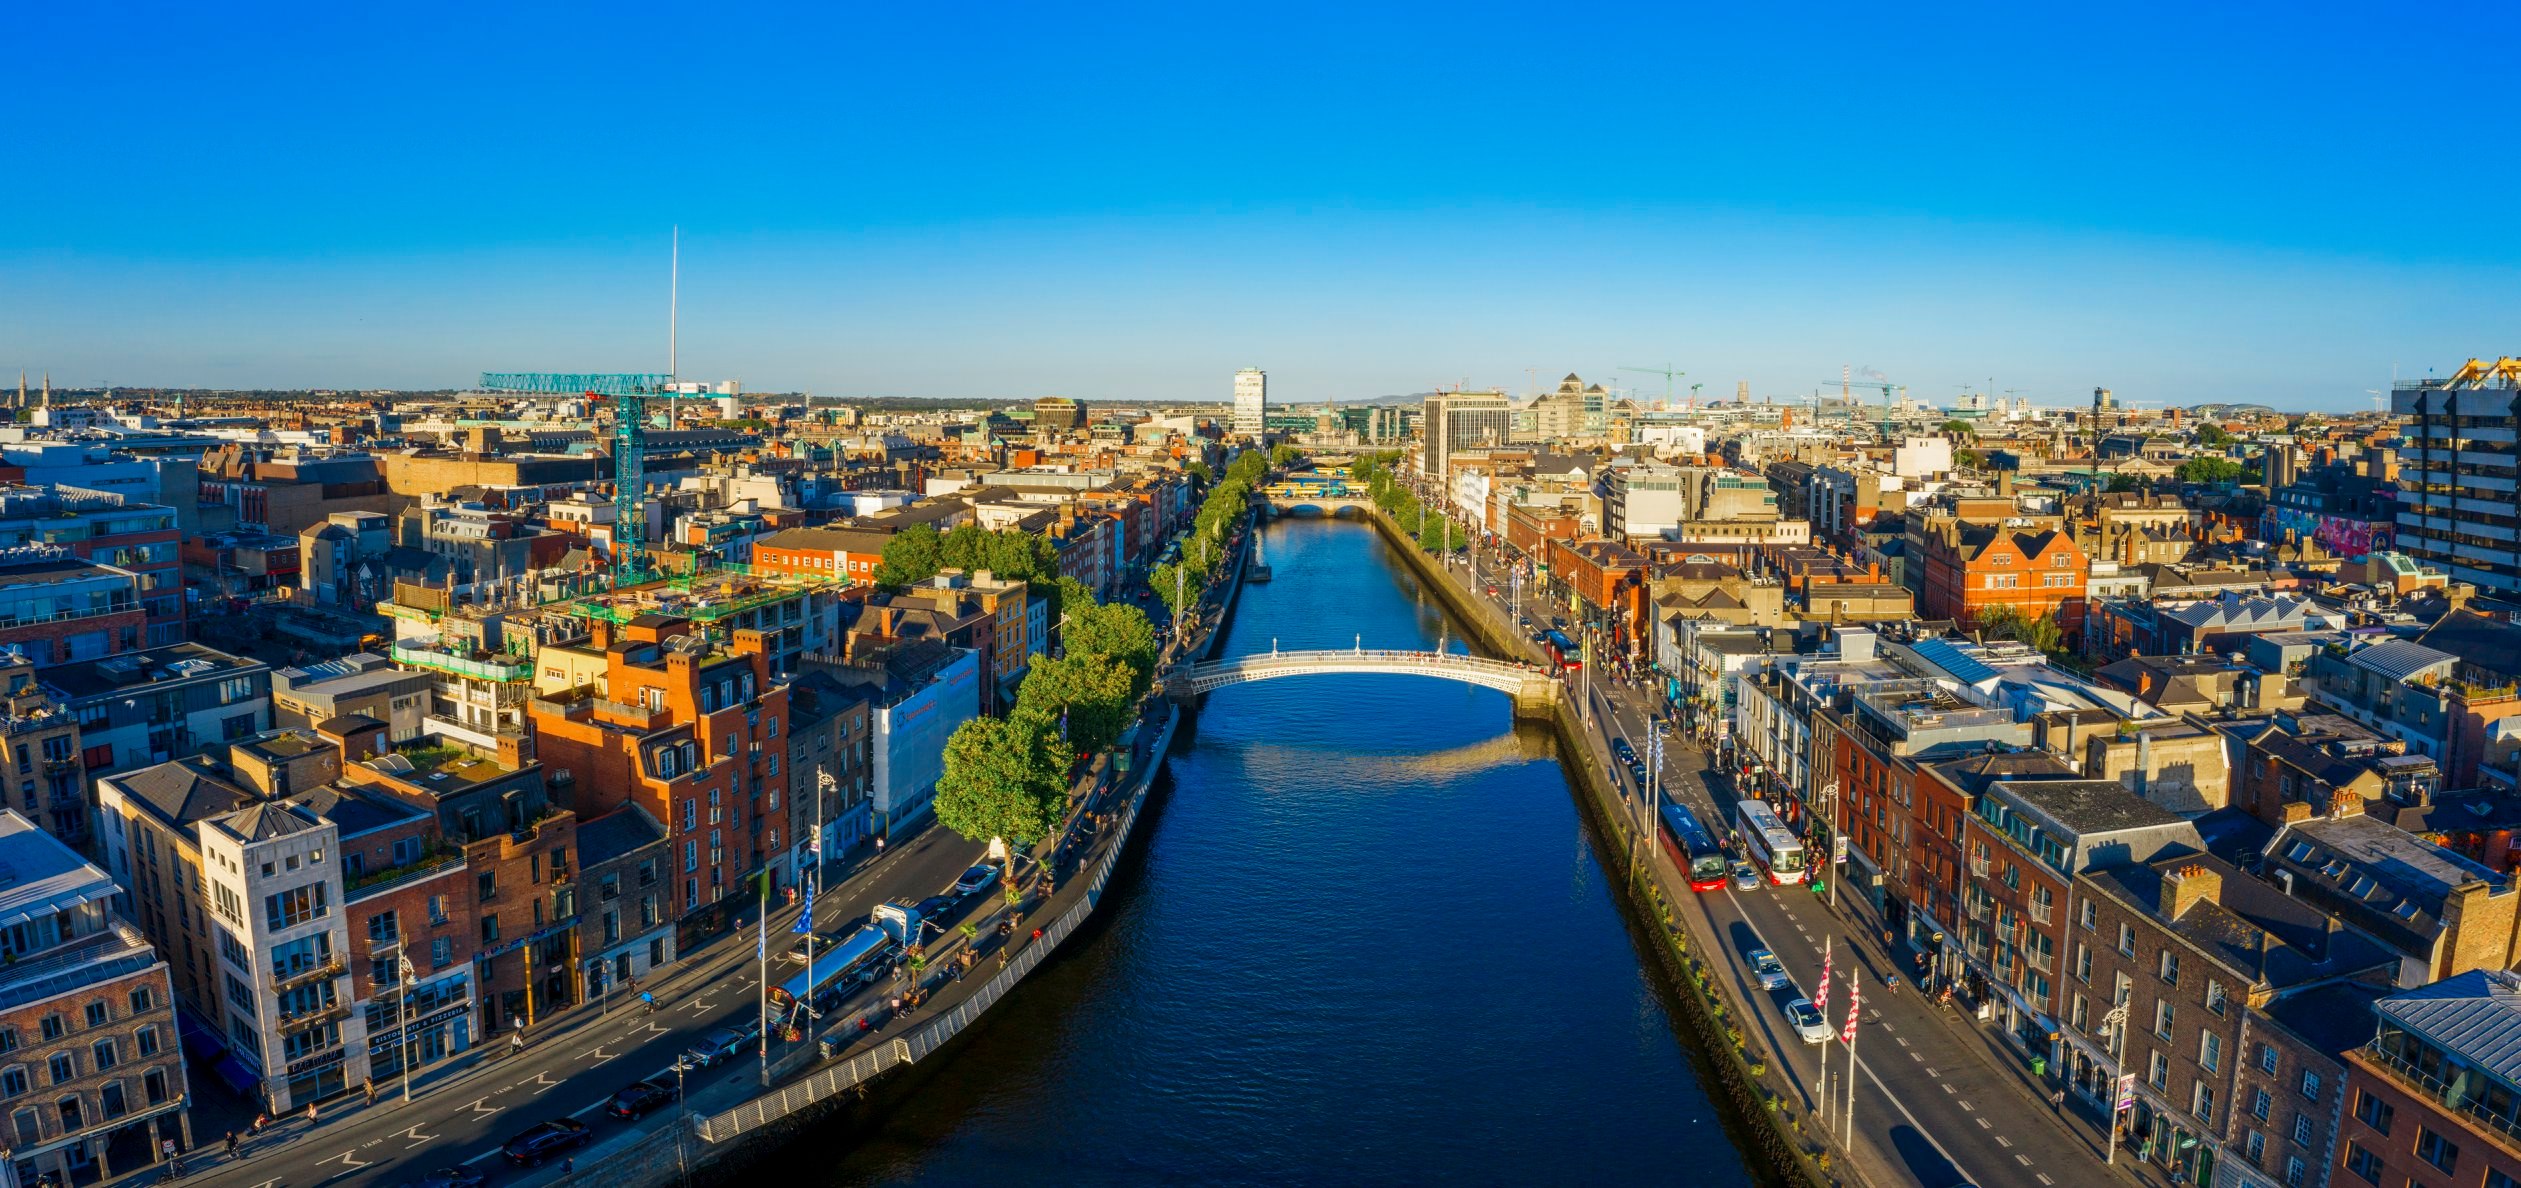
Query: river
pixel 1368 940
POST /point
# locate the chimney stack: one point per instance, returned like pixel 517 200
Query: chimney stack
pixel 2188 885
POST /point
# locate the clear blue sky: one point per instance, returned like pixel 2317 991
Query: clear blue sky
pixel 2185 203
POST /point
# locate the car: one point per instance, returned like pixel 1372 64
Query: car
pixel 1626 753
pixel 814 941
pixel 637 1098
pixel 1637 772
pixel 1745 877
pixel 721 1044
pixel 546 1139
pixel 1770 971
pixel 1806 1019
pixel 932 911
pixel 976 880
pixel 448 1177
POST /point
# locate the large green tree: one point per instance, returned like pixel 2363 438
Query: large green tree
pixel 1095 693
pixel 1005 778
pixel 2039 631
pixel 2212 470
pixel 1116 631
pixel 913 555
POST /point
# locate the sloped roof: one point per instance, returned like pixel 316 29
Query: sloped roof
pixel 2476 1014
pixel 2398 659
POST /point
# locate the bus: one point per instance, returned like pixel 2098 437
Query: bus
pixel 860 959
pixel 1769 843
pixel 1693 849
pixel 1563 651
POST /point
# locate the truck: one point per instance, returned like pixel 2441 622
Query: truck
pixel 900 919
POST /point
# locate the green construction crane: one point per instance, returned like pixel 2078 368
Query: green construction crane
pixel 630 392
pixel 1669 374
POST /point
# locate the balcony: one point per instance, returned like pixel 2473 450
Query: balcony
pixel 2043 912
pixel 2044 962
pixel 330 968
pixel 2467 1099
pixel 324 1014
pixel 631 717
pixel 1978 868
pixel 1980 909
pixel 480 666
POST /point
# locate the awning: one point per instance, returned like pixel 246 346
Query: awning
pixel 236 1075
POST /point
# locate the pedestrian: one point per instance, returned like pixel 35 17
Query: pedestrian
pixel 516 1042
pixel 2057 1102
pixel 231 1144
pixel 568 1164
pixel 310 1113
pixel 371 1093
pixel 260 1121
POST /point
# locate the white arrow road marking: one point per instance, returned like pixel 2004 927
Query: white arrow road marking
pixel 479 1108
pixel 596 1053
pixel 543 1080
pixel 350 1159
pixel 416 1137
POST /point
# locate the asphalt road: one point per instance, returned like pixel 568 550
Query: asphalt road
pixel 573 1066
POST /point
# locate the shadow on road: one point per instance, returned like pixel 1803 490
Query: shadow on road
pixel 1921 1159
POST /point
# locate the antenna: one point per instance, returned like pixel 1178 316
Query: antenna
pixel 673 325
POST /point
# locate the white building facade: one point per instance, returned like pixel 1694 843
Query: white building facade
pixel 1251 401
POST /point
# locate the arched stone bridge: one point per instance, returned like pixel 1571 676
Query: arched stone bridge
pixel 1533 690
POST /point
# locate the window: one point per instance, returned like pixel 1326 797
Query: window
pixel 2296 1171
pixel 2496 1178
pixel 70 1118
pixel 2310 1084
pixel 29 1133
pixel 490 928
pixel 2160 1072
pixel 2262 1102
pixel 12 1082
pixel 141 1000
pixel 53 1027
pixel 8 1039
pixel 2302 1128
pixel 441 952
pixel 63 1068
pixel 294 907
pixel 96 1014
pixel 2267 1059
pixel 384 928
pixel 2201 1102
pixel 107 1056
pixel 2209 1052
pixel 2089 915
pixel 2436 1150
pixel 2162 1016
pixel 487 885
pixel 437 909
pixel 2169 968
pixel 2374 1112
pixel 147 1038
pixel 2126 941
pixel 2214 996
pixel 240 994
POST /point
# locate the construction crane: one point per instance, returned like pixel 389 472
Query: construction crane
pixel 1669 374
pixel 1847 386
pixel 630 392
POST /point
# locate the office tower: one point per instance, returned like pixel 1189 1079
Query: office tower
pixel 1251 401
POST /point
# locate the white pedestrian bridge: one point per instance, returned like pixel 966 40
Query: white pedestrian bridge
pixel 1531 687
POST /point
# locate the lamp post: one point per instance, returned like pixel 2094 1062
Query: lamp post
pixel 2113 1033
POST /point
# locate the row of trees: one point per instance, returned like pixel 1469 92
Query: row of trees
pixel 1007 778
pixel 1436 531
pixel 1180 582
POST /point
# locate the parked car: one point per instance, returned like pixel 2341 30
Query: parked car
pixel 976 880
pixel 719 1045
pixel 1770 971
pixel 545 1140
pixel 1806 1019
pixel 1745 876
pixel 448 1177
pixel 639 1097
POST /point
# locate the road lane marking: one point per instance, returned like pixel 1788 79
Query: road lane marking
pixel 1982 1123
pixel 2002 1141
pixel 2025 1161
pixel 1967 1108
pixel 348 1159
pixel 1919 1059
pixel 479 1108
pixel 597 1053
pixel 2045 1180
pixel 416 1137
pixel 1903 1041
pixel 1932 1073
pixel 542 1078
pixel 1947 1086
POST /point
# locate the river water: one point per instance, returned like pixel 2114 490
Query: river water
pixel 1368 940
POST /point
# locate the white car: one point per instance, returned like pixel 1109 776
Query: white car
pixel 1745 877
pixel 1807 1021
pixel 1770 971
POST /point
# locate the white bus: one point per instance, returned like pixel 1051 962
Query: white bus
pixel 1769 842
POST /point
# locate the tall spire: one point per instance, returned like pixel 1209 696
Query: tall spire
pixel 21 389
pixel 48 391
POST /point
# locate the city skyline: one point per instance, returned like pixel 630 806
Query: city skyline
pixel 2056 207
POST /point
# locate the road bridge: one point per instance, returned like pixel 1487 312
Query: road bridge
pixel 1532 689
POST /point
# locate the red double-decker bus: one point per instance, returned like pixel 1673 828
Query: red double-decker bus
pixel 1692 848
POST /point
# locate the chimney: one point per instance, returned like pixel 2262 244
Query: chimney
pixel 2188 885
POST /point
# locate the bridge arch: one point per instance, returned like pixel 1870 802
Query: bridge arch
pixel 1532 688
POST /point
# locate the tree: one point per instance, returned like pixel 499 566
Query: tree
pixel 2125 482
pixel 1005 778
pixel 1167 577
pixel 1118 632
pixel 914 555
pixel 1968 459
pixel 2212 436
pixel 1199 470
pixel 1095 694
pixel 2212 470
pixel 1958 428
pixel 2039 631
pixel 1282 455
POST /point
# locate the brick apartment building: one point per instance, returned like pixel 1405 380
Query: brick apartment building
pixel 2435 1097
pixel 1971 569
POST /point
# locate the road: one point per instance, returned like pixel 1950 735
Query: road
pixel 1935 1105
pixel 574 1065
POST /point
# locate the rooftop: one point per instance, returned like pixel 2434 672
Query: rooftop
pixel 2377 862
pixel 2087 807
pixel 40 876
pixel 2476 1015
pixel 184 661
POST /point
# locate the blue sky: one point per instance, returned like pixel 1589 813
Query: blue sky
pixel 2248 202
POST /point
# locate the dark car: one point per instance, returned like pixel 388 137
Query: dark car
pixel 448 1177
pixel 639 1097
pixel 1626 753
pixel 545 1140
pixel 934 908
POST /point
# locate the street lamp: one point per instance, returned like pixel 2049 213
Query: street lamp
pixel 2113 1034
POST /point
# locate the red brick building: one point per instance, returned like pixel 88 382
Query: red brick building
pixel 1971 569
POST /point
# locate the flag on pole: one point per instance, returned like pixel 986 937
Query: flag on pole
pixel 1855 997
pixel 761 934
pixel 805 922
pixel 1820 997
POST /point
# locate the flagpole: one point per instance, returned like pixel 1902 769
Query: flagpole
pixel 761 954
pixel 1855 1003
pixel 1821 1004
